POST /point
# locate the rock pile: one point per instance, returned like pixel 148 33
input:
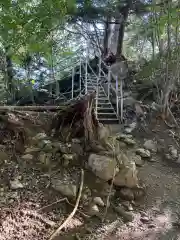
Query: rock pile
pixel 116 160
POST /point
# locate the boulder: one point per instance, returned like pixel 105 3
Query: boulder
pixel 40 136
pixel 178 160
pixel 143 152
pixel 102 166
pixel 93 210
pixel 62 147
pixel 173 152
pixel 126 194
pixel 3 156
pixel 127 175
pixel 45 158
pixel 77 148
pixel 150 145
pixel 32 150
pixel 135 158
pixel 67 158
pixel 124 136
pixel 16 184
pixel 98 201
pixel 130 141
pixel 27 157
pixel 128 129
pixel 76 140
pixel 66 189
pixel 116 144
pixel 103 132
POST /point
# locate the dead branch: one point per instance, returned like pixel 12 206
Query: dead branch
pixel 30 108
pixel 59 201
pixel 74 210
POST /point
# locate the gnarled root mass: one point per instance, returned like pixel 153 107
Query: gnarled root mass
pixel 11 129
pixel 76 119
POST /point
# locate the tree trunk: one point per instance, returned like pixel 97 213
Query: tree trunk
pixel 117 31
pixel 124 16
pixel 9 71
pixel 107 32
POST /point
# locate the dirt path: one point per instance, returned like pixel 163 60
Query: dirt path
pixel 156 217
pixel 158 214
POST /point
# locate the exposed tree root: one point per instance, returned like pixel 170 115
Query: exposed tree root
pixel 74 210
pixel 77 119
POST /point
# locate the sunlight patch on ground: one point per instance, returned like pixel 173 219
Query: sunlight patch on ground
pixel 23 223
pixel 148 227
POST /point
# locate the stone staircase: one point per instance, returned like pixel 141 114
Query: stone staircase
pixel 105 110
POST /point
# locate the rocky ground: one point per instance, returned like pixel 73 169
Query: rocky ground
pixel 130 191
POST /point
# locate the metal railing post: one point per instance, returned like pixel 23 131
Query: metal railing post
pixel 97 86
pixel 121 96
pixel 117 97
pixel 57 88
pixel 80 73
pixel 86 71
pixel 72 90
pixel 109 81
pixel 50 89
pixel 100 63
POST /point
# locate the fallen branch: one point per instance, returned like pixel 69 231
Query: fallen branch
pixel 51 204
pixel 62 200
pixel 74 210
pixel 30 108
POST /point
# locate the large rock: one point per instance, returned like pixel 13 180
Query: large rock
pixel 45 158
pixel 150 145
pixel 98 201
pixel 127 175
pixel 40 136
pixel 62 147
pixel 135 158
pixel 116 144
pixel 103 132
pixel 173 152
pixel 68 158
pixel 16 184
pixel 77 148
pixel 32 150
pixel 27 157
pixel 128 129
pixel 130 141
pixel 126 194
pixel 143 152
pixel 102 166
pixel 93 210
pixel 123 136
pixel 3 156
pixel 67 189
